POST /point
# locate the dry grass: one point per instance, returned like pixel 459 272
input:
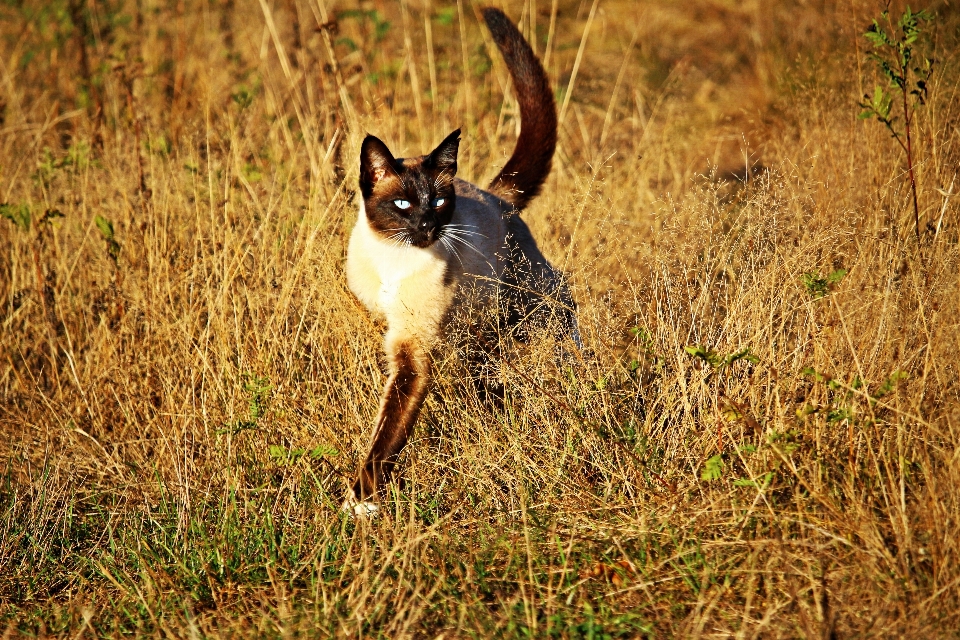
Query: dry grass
pixel 182 402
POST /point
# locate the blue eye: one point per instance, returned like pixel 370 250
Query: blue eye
pixel 401 204
pixel 437 202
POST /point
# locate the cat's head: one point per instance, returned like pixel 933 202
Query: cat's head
pixel 409 200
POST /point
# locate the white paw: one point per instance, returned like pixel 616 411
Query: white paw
pixel 359 508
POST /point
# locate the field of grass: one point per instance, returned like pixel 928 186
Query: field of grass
pixel 762 438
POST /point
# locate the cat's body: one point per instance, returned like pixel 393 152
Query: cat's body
pixel 430 249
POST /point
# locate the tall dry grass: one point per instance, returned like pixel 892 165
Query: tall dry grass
pixel 187 384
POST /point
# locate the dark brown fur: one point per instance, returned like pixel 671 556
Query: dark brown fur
pixel 528 167
pixel 399 407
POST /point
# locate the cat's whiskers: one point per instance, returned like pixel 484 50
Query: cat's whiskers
pixel 449 234
pixel 461 234
pixel 399 239
pixel 446 243
pixel 464 230
pixel 393 237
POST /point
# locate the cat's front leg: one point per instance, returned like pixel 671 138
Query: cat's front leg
pixel 400 403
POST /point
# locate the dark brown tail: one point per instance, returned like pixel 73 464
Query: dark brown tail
pixel 528 167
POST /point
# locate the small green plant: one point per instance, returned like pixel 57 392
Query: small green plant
pixel 718 362
pixel 889 384
pixel 380 26
pixel 445 16
pixel 257 390
pixel 712 468
pixel 242 97
pixel 106 230
pixel 77 158
pixel 159 145
pixel 18 214
pixel 762 482
pixel 715 466
pixel 840 406
pixel 21 215
pixel 786 441
pixel 819 286
pixel 647 363
pixel 720 365
pixel 252 173
pixel 907 70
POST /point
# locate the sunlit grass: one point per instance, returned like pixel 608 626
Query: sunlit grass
pixel 759 440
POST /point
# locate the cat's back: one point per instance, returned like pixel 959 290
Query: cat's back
pixel 480 205
pixel 477 232
pixel 479 225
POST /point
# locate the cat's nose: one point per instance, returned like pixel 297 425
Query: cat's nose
pixel 428 227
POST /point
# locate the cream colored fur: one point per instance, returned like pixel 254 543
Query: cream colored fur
pixel 415 290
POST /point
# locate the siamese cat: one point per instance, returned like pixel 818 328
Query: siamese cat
pixel 429 247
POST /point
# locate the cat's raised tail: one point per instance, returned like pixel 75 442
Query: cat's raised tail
pixel 528 167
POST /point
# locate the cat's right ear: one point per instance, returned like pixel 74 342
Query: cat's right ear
pixel 444 157
pixel 376 162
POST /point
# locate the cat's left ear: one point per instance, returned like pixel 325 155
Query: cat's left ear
pixel 444 157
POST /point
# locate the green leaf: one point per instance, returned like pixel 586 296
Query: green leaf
pixel 764 481
pixel 106 230
pixel 348 43
pixel 836 276
pixel 252 172
pixel 242 97
pixel 889 384
pixel 445 16
pixel 839 414
pixel 282 455
pixel 811 372
pixel 743 354
pixel 18 214
pixel 322 450
pixel 816 286
pixel 704 353
pixel 105 226
pixel 712 468
pixel 819 286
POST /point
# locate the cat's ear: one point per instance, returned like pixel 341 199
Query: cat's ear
pixel 376 162
pixel 444 157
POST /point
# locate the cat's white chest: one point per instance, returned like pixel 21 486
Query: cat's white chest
pixel 397 266
pixel 390 278
pixel 387 294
